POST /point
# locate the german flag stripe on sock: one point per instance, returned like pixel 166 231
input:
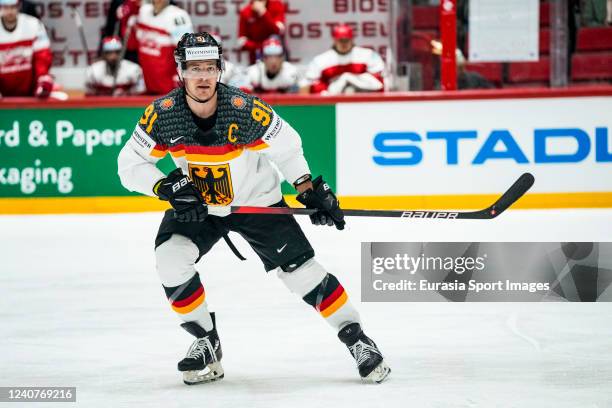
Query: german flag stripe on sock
pixel 329 293
pixel 186 297
pixel 329 307
pixel 333 302
pixel 190 303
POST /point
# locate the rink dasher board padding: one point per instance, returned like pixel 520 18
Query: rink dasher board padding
pixel 428 150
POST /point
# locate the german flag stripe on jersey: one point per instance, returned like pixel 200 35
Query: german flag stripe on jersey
pixel 214 153
pixel 159 151
pixel 329 293
pixel 194 157
pixel 186 297
pixel 177 151
pixel 257 145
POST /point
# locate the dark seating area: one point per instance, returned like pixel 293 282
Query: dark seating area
pixel 493 71
pixel 425 17
pixel 590 63
pixel 592 66
pixel 592 60
pixel 594 39
pixel 544 41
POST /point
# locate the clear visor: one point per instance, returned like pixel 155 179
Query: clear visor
pixel 197 72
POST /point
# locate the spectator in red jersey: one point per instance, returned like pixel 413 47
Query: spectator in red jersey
pixel 25 55
pixel 346 68
pixel 259 20
pixel 159 27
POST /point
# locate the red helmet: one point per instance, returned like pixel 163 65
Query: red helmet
pixel 272 47
pixel 110 44
pixel 342 31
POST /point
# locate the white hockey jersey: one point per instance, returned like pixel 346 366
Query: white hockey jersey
pixel 285 81
pixel 25 55
pixel 157 36
pixel 234 75
pixel 99 79
pixel 230 163
pixel 360 70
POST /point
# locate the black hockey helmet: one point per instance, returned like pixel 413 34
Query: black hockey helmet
pixel 198 46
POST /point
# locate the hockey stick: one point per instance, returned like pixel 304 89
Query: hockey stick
pixel 127 34
pixel 78 21
pixel 516 191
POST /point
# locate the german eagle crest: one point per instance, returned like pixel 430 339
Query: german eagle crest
pixel 214 181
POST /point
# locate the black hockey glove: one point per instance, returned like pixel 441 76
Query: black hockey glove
pixel 323 198
pixel 183 195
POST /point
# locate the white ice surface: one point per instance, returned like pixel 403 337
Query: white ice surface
pixel 81 306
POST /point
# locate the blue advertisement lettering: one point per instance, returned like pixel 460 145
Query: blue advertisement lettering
pixel 602 147
pixel 512 149
pixel 542 135
pixel 413 154
pixel 452 142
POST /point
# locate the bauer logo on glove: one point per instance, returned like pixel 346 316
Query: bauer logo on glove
pixel 182 183
pixel 185 198
pixel 323 198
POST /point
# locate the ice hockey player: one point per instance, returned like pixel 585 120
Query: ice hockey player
pixel 25 55
pixel 273 74
pixel 159 26
pixel 345 68
pixel 111 75
pixel 223 142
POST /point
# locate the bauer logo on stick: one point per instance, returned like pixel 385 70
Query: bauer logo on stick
pixel 429 214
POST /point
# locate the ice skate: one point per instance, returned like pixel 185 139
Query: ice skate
pixel 202 363
pixel 370 362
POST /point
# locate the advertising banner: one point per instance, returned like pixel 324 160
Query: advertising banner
pixel 73 152
pixel 474 146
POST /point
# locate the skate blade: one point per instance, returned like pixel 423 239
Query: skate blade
pixel 212 372
pixel 379 374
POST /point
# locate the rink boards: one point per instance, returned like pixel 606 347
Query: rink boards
pixel 424 150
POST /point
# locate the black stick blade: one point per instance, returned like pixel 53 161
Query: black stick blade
pixel 515 192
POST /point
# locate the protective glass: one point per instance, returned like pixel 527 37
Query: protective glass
pixel 197 72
